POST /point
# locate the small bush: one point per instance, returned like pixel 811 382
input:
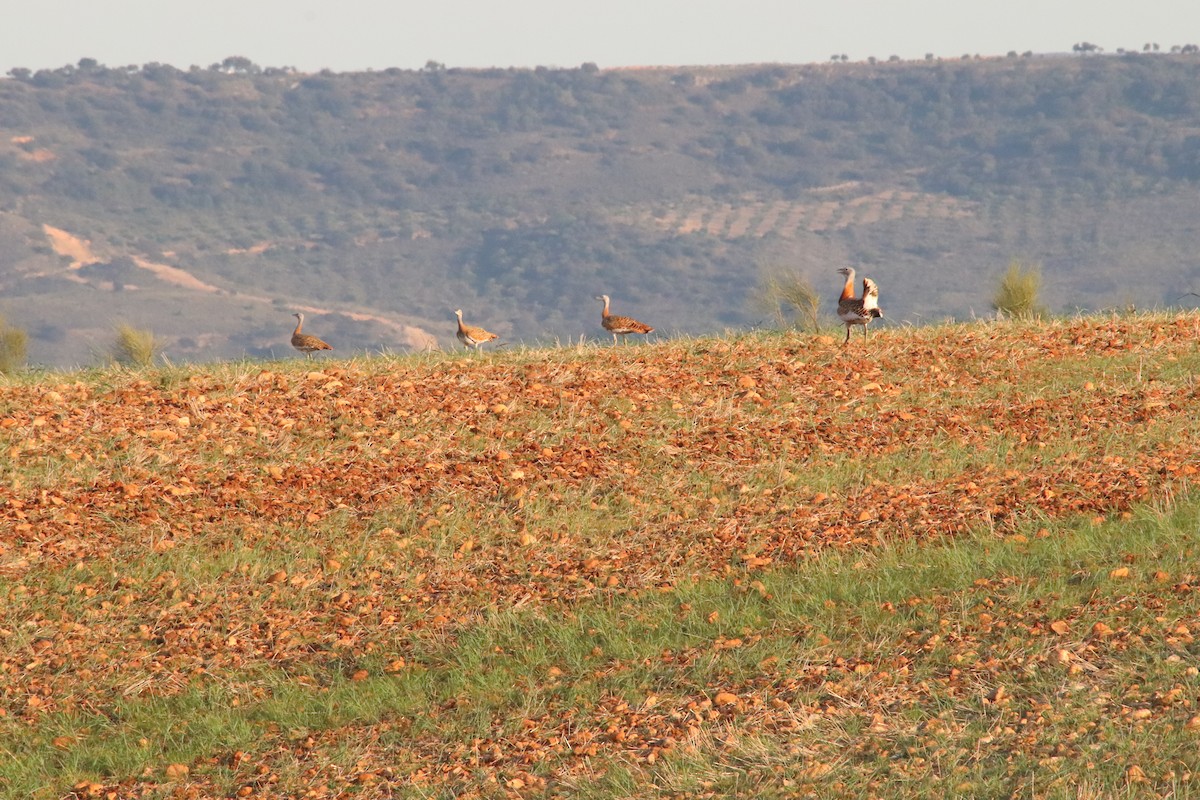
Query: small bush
pixel 135 348
pixel 791 300
pixel 13 348
pixel 1017 295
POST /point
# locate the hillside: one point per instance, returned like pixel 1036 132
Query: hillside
pixel 958 562
pixel 213 202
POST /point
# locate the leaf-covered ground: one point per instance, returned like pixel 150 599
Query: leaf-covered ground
pixel 944 560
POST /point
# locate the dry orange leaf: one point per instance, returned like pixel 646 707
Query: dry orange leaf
pixel 177 771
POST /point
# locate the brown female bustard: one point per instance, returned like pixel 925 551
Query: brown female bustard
pixel 470 335
pixel 304 342
pixel 620 326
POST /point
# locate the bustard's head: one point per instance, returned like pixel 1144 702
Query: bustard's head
pixel 847 271
pixel 603 297
pixel 299 316
pixel 458 313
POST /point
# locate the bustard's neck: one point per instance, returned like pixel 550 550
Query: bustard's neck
pixel 848 288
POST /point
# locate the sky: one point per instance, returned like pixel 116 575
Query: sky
pixel 357 35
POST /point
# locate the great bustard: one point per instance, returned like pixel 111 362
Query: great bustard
pixel 470 335
pixel 858 310
pixel 304 342
pixel 620 326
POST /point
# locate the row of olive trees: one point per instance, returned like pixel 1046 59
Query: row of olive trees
pixel 791 301
pixel 131 347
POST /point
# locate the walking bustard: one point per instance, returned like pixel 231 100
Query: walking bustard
pixel 304 342
pixel 470 335
pixel 620 326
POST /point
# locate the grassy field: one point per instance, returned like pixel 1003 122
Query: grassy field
pixel 950 561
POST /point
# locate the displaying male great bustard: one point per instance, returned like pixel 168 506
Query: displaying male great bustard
pixel 620 326
pixel 470 335
pixel 304 342
pixel 858 310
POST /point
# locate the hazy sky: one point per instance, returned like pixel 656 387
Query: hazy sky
pixel 351 35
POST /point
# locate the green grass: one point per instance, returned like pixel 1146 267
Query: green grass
pixel 838 609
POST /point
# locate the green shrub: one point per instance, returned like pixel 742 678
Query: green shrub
pixel 1017 295
pixel 13 348
pixel 791 300
pixel 135 348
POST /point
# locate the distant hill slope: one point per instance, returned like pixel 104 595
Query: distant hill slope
pixel 391 198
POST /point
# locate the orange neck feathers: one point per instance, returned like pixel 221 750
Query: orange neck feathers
pixel 848 289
